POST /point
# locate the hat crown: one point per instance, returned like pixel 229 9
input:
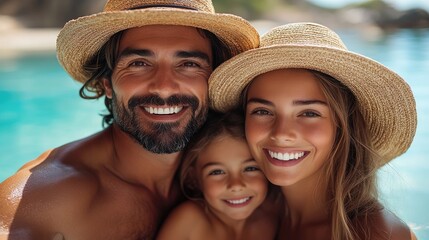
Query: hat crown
pixel 302 34
pixel 198 5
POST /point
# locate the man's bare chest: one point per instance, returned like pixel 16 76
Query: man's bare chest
pixel 117 217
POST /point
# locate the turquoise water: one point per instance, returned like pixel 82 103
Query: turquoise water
pixel 40 109
pixel 405 182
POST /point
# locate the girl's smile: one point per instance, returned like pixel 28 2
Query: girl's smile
pixel 232 183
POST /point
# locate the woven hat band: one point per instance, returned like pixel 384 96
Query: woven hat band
pixel 163 6
pixel 198 5
pixel 303 35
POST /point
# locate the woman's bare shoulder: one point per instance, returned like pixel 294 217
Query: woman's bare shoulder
pixel 386 225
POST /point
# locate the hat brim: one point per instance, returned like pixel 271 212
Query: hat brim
pixel 384 98
pixel 80 39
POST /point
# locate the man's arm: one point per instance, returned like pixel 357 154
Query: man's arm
pixel 4 235
pixel 40 200
pixel 11 191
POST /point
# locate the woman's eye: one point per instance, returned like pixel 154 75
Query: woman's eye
pixel 216 172
pixel 260 112
pixel 310 114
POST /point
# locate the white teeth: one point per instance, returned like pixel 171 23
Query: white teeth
pixel 239 201
pixel 163 111
pixel 286 156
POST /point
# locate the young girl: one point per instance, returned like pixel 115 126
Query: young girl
pixel 320 120
pixel 226 187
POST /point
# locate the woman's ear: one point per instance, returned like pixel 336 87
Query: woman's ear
pixel 107 87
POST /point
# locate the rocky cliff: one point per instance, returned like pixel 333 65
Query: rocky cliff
pixel 55 13
pixel 48 13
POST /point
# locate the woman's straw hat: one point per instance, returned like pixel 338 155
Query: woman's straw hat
pixel 80 39
pixel 384 98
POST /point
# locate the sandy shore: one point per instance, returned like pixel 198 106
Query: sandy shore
pixel 19 41
pixel 24 41
pixel 16 41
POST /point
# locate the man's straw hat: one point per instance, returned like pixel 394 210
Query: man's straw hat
pixel 384 98
pixel 81 38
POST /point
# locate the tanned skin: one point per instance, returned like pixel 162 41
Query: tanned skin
pixel 107 186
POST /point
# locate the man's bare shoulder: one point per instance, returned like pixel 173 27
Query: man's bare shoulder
pixel 52 185
pixel 60 170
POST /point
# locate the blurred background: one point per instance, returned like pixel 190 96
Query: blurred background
pixel 40 107
pixel 385 14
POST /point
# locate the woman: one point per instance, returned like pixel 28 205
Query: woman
pixel 320 122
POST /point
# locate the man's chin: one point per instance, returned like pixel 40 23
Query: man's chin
pixel 164 148
pixel 164 143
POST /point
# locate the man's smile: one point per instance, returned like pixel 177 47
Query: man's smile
pixel 163 110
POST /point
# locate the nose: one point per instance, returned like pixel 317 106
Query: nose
pixel 164 83
pixel 284 130
pixel 236 183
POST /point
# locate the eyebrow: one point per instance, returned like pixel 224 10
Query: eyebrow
pixel 132 51
pixel 259 100
pixel 216 163
pixel 309 102
pixel 193 54
pixel 180 54
pixel 295 102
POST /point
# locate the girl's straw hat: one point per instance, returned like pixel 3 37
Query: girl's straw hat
pixel 81 38
pixel 384 98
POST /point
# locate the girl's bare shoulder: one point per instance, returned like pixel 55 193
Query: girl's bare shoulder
pixel 190 209
pixel 186 221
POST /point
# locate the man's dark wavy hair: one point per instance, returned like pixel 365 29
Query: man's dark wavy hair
pixel 101 66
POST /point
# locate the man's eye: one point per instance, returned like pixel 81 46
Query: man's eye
pixel 138 64
pixel 216 172
pixel 191 64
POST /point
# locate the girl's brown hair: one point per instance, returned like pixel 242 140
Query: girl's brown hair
pixel 217 124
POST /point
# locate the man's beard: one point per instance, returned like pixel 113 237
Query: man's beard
pixel 160 138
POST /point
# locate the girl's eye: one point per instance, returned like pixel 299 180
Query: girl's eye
pixel 251 169
pixel 216 172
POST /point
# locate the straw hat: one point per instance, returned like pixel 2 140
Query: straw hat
pixel 384 98
pixel 81 38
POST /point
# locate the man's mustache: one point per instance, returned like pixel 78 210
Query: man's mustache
pixel 172 100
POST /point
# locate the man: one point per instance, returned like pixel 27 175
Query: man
pixel 151 59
